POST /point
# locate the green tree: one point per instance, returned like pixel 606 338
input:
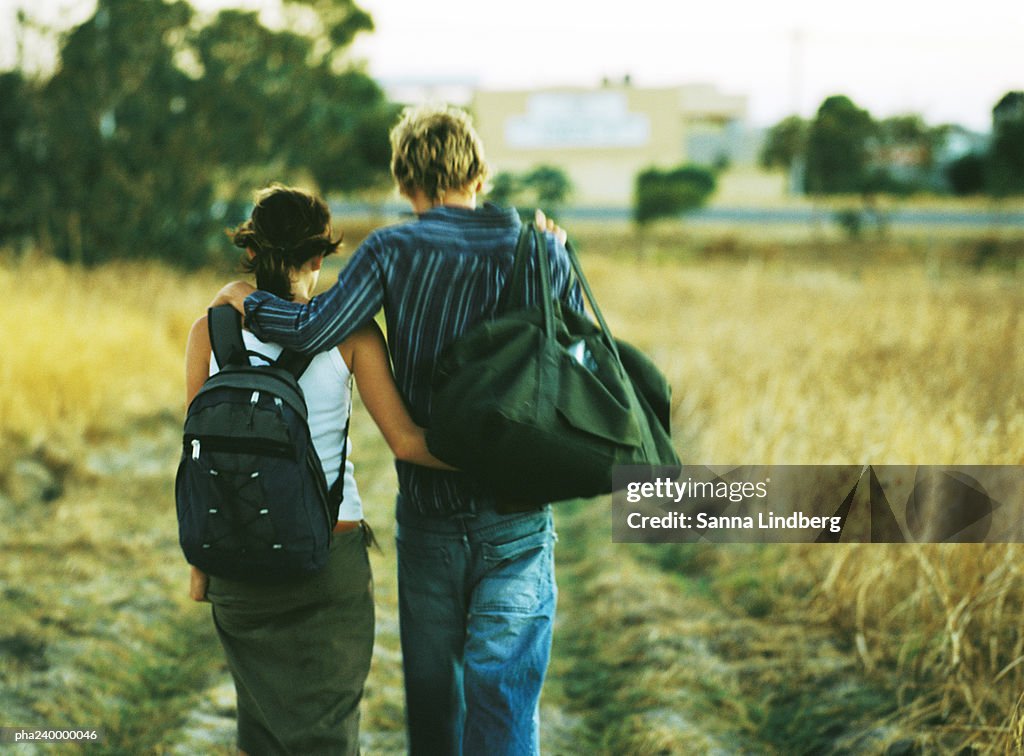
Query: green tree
pixel 1006 154
pixel 153 126
pixel 269 102
pixel 903 152
pixel 667 194
pixel 550 186
pixel 966 174
pixel 122 172
pixel 544 186
pixel 838 147
pixel 785 143
pixel 20 158
pixel 504 188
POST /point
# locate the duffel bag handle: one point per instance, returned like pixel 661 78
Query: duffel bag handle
pixel 515 288
pixel 577 270
pixel 513 295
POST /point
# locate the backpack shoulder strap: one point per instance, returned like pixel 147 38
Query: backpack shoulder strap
pixel 294 362
pixel 337 492
pixel 225 326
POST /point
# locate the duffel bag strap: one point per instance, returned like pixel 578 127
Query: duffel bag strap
pixel 514 292
pixel 513 295
pixel 577 270
pixel 337 492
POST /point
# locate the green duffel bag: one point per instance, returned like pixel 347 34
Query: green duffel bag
pixel 539 404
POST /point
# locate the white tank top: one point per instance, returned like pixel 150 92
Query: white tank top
pixel 326 387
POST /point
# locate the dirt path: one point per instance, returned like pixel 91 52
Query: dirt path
pixel 653 664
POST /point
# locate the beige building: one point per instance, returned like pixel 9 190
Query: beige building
pixel 602 137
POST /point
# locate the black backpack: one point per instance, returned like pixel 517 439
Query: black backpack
pixel 251 494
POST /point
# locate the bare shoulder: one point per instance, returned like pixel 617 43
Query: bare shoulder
pixel 197 358
pixel 364 340
pixel 368 336
pixel 199 334
pixel 369 332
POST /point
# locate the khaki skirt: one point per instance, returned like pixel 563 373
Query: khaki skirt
pixel 299 653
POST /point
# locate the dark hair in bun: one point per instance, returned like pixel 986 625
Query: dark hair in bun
pixel 287 228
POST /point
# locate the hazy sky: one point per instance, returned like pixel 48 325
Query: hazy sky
pixel 951 62
pixel 948 62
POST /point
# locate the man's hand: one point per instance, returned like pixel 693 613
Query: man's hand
pixel 544 223
pixel 197 585
pixel 234 294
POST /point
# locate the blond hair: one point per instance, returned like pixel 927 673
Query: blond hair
pixel 435 149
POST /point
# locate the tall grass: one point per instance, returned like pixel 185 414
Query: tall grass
pixel 851 362
pixel 86 350
pixel 812 365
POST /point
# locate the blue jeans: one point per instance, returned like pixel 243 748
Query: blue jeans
pixel 477 601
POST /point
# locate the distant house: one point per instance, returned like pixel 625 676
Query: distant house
pixel 958 142
pixel 601 137
pixel 922 162
pixel 412 91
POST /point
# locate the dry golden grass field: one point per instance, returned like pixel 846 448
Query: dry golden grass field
pixel 899 351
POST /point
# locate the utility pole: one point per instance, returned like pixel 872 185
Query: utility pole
pixel 796 169
pixel 796 72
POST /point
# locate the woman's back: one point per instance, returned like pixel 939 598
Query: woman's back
pixel 326 386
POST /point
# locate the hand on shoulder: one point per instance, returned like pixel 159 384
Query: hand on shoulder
pixel 544 223
pixel 234 294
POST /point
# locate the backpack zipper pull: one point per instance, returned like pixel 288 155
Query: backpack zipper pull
pixel 195 448
pixel 253 401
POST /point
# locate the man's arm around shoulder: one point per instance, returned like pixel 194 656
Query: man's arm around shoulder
pixel 234 294
pixel 324 321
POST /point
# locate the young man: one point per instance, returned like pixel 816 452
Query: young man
pixel 476 588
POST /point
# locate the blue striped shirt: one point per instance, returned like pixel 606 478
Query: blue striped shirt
pixel 436 277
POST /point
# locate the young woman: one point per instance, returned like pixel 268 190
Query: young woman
pixel 300 651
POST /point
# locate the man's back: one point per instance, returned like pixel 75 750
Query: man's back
pixel 442 275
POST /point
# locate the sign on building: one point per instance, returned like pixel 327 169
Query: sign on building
pixel 577 119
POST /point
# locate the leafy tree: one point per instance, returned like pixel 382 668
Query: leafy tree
pixel 908 128
pixel 785 143
pixel 544 186
pixel 838 143
pixel 904 154
pixel 550 185
pixel 666 194
pixel 504 188
pixel 20 197
pixel 153 126
pixel 1006 156
pixel 846 151
pixel 966 174
pixel 122 171
pixel 267 105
